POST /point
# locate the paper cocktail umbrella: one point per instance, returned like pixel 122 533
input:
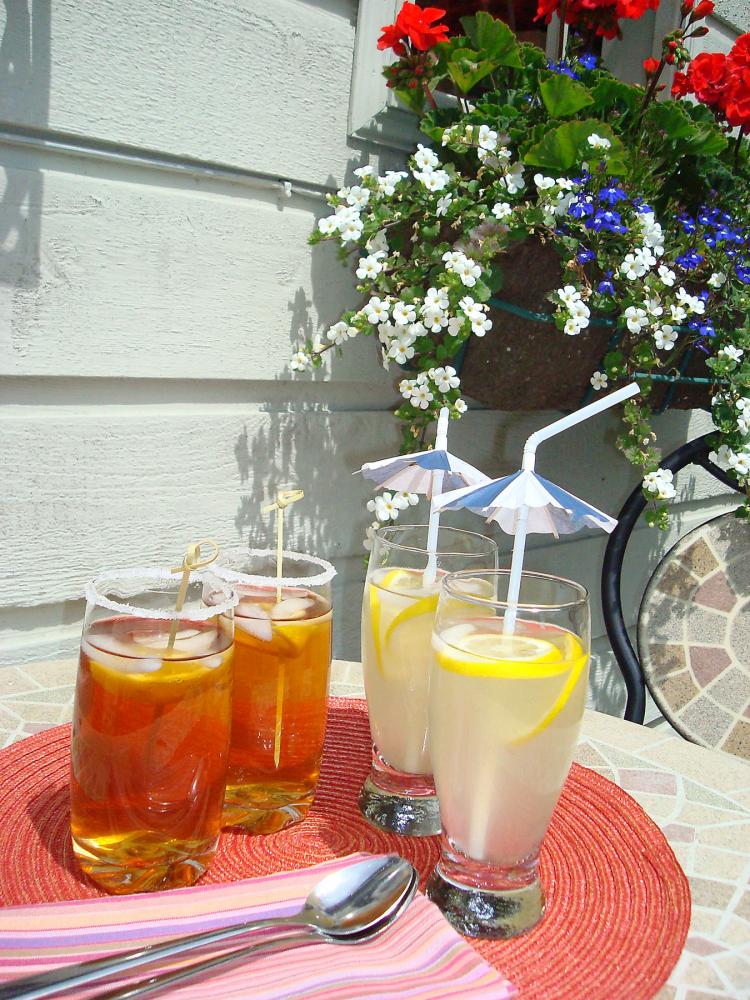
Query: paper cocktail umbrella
pixel 427 473
pixel 525 502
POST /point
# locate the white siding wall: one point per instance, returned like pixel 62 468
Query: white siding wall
pixel 148 308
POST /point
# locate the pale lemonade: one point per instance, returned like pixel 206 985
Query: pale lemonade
pixel 398 613
pixel 505 713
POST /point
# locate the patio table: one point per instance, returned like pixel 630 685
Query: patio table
pixel 699 798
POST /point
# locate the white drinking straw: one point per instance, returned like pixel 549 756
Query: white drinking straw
pixel 529 458
pixel 441 444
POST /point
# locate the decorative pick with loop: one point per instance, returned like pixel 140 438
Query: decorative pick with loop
pixel 284 498
pixel 190 563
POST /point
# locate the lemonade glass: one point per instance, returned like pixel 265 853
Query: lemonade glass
pixel 151 727
pixel 505 713
pixel 281 665
pixel 398 610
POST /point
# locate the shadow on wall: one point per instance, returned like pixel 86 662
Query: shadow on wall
pixel 24 100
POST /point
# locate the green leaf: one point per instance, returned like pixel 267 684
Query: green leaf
pixel 695 138
pixel 608 93
pixel 493 39
pixel 565 146
pixel 480 291
pixel 413 99
pixel 495 278
pixel 562 96
pixel 669 117
pixel 466 69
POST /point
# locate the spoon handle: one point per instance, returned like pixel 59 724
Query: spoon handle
pixel 48 984
pixel 164 979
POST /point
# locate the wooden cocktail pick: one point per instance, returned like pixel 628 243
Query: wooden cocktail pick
pixel 191 562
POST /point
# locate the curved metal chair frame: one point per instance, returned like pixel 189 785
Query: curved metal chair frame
pixel 693 453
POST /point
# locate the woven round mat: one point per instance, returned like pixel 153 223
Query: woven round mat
pixel 618 903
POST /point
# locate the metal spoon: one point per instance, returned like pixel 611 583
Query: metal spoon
pixel 345 902
pixel 163 979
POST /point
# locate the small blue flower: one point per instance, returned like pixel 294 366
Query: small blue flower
pixel 704 294
pixel 641 207
pixel 580 209
pixel 743 273
pixel 611 194
pixel 706 328
pixel 608 220
pixel 563 67
pixel 690 259
pixel 588 60
pixel 606 287
pixel 584 256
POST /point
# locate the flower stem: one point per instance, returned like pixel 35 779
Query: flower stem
pixel 738 144
pixel 428 94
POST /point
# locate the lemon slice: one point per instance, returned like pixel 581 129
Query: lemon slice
pixel 491 654
pixel 297 634
pixel 425 606
pixel 560 702
pixel 386 582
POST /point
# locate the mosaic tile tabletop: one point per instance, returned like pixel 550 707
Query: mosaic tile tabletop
pixel 694 635
pixel 699 798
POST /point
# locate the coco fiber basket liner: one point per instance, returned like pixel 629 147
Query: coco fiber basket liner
pixel 618 903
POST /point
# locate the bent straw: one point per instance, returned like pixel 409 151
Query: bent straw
pixel 192 561
pixel 283 500
pixel 441 444
pixel 529 458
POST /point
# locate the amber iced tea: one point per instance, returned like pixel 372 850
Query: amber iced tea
pixel 149 751
pixel 282 658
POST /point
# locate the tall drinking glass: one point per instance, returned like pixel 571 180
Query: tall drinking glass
pixel 505 713
pixel 281 664
pixel 151 728
pixel 398 612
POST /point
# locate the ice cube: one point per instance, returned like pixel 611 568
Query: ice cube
pixel 259 628
pixel 193 642
pixel 148 666
pixel 292 609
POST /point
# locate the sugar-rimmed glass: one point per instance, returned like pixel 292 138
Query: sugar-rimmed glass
pixel 398 609
pixel 151 727
pixel 281 667
pixel 505 713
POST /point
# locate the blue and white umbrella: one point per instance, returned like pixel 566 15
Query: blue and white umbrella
pixel 551 510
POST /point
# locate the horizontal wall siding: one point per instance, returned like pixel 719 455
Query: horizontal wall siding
pixel 148 313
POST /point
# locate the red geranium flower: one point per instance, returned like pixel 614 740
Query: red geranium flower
pixel 599 16
pixel 739 57
pixel 708 76
pixel 650 66
pixel 416 24
pixel 702 9
pixel 681 85
pixel 736 103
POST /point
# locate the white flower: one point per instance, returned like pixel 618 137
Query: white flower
pixel 300 361
pixel 425 158
pixel 544 183
pixel 434 319
pixel 366 171
pixel 341 332
pixel 370 535
pixel 421 397
pixel 690 302
pixel 474 310
pixel 632 267
pixel 386 332
pixel 733 353
pixel 351 231
pixel 387 183
pixel 433 180
pixel 358 196
pixel 377 243
pixel 487 139
pixel 480 326
pixel 598 141
pixel 445 378
pixel 572 327
pixel 409 499
pixel 400 349
pixel 385 507
pixel 580 312
pixel 436 298
pixel 722 457
pixel 443 204
pixel 513 179
pixel 653 306
pixel 717 279
pixel 417 329
pixel 317 345
pixel 660 484
pixel 653 235
pixel 328 225
pixel 599 380
pixel 667 275
pixel 455 325
pixel 739 462
pixel 406 387
pixel 665 337
pixel 678 313
pixel 403 313
pixel 636 319
pixel 502 210
pixel 468 272
pixel 743 423
pixel 568 294
pixel 460 406
pixel 376 310
pixel 370 267
pixel 743 404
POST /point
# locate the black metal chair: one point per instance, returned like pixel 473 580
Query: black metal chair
pixel 693 453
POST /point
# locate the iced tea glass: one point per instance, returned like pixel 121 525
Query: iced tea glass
pixel 151 728
pixel 281 664
pixel 505 713
pixel 398 610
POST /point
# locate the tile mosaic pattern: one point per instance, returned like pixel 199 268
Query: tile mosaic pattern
pixel 694 635
pixel 699 798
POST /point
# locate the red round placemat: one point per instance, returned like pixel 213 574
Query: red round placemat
pixel 618 903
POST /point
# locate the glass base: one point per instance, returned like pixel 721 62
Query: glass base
pixel 411 816
pixel 144 866
pixel 260 809
pixel 479 913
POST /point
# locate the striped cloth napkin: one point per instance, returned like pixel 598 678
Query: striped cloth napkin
pixel 420 956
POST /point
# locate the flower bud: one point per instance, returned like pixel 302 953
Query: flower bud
pixel 700 32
